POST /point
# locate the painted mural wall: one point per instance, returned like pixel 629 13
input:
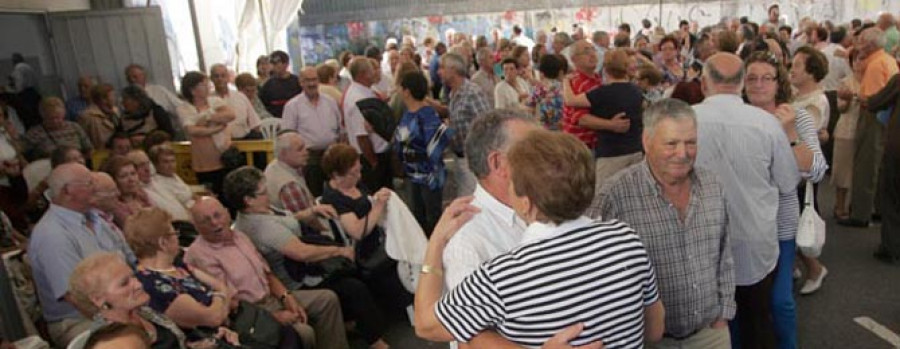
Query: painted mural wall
pixel 316 43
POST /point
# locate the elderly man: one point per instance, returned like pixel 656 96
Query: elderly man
pixel 585 78
pixel 679 212
pixel 77 104
pixel 562 44
pixel 229 255
pixel 467 102
pixel 888 24
pixel 879 68
pixel 54 131
pixel 245 118
pixel 374 150
pixel 136 75
pixel 287 186
pixel 68 232
pixel 485 77
pixel 751 155
pixel 317 118
pixel 281 85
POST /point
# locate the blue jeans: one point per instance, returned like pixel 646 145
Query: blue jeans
pixel 784 310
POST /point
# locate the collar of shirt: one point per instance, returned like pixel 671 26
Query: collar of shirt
pixel 487 202
pixel 724 98
pixel 296 171
pixel 538 231
pixel 69 216
pixel 463 87
pixel 360 89
pixel 651 182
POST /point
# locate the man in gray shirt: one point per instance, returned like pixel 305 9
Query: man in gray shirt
pixel 679 212
pixel 748 151
pixel 69 231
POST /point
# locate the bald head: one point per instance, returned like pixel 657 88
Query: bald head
pixel 106 192
pixel 212 220
pixel 361 70
pixel 886 20
pixel 71 186
pixel 309 81
pixel 723 74
pixel 205 205
pixel 85 83
pixel 218 74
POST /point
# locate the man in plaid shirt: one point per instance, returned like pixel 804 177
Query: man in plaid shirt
pixel 679 212
pixel 286 186
pixel 585 78
pixel 467 101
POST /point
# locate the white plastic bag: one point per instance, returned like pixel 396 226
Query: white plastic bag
pixel 811 231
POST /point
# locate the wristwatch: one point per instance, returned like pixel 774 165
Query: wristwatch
pixel 795 142
pixel 427 269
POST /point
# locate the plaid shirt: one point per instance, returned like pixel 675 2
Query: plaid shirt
pixel 466 103
pixel 581 83
pixel 295 197
pixel 39 142
pixel 693 262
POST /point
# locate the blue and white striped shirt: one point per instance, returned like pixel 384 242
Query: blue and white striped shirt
pixel 581 271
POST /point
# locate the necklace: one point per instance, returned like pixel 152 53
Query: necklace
pixel 165 271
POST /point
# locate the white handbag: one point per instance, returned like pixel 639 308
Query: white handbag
pixel 811 231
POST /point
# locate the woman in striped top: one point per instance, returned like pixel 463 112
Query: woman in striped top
pixel 767 87
pixel 568 269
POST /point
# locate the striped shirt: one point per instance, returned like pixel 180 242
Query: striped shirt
pixel 747 149
pixel 595 273
pixel 789 203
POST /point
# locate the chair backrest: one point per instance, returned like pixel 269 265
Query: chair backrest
pixel 270 127
pixel 79 341
pixel 35 172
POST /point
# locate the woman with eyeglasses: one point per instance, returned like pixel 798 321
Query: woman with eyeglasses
pixel 767 86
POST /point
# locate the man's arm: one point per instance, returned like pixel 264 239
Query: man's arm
pixel 368 151
pixel 725 273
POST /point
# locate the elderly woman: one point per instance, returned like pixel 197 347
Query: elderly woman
pixel 205 120
pixel 167 184
pixel 552 184
pixel 670 61
pixel 197 302
pixel 101 119
pixel 766 86
pixel 277 237
pixel 132 196
pixel 54 131
pixel 104 286
pixel 358 215
pixel 246 84
pixel 844 139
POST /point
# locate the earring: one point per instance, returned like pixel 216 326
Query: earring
pixel 105 306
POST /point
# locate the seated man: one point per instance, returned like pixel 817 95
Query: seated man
pixel 229 255
pixel 286 185
pixel 68 232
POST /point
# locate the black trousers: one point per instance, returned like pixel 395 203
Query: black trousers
pixel 426 206
pixel 756 329
pixel 212 180
pixel 315 176
pixel 889 203
pixel 357 304
pixel 379 176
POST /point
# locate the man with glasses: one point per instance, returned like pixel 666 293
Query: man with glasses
pixel 246 122
pixel 585 78
pixel 281 85
pixel 69 231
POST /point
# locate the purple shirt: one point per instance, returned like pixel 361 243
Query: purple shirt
pixel 236 262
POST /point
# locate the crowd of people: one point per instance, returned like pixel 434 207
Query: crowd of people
pixel 620 189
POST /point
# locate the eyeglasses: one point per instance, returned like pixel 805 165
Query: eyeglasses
pixel 753 79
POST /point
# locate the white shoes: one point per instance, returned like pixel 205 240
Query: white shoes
pixel 811 286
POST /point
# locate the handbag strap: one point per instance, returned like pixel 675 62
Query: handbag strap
pixel 807 201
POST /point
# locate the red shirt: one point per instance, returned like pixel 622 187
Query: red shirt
pixel 580 83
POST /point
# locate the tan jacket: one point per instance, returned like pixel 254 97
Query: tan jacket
pixel 98 126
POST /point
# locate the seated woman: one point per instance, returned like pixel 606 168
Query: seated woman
pixel 568 269
pixel 132 195
pixel 197 302
pixel 358 216
pixel 116 335
pixel 277 234
pixel 140 115
pixel 101 119
pixel 105 287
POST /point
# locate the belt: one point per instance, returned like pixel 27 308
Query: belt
pixel 680 338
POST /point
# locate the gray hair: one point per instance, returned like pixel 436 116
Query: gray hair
pixel 563 37
pixel 241 183
pixel 61 176
pixel 873 36
pixel 488 133
pixel 283 141
pixel 715 76
pixel 454 62
pixel 483 53
pixel 598 35
pixel 667 108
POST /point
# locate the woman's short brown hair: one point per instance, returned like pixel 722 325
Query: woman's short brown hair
pixel 244 80
pixel 338 159
pixel 615 63
pixel 144 228
pixel 555 171
pixel 325 72
pixel 100 92
pixel 115 163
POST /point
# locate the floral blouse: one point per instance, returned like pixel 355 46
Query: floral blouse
pixel 548 101
pixel 164 288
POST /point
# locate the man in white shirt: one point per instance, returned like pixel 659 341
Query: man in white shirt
pixel 136 75
pixel 374 150
pixel 317 118
pixel 246 119
pixel 520 39
pixel 167 186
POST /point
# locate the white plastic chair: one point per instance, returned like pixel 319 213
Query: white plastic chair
pixel 270 127
pixel 35 172
pixel 79 341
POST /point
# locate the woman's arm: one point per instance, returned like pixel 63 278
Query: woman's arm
pixel 188 313
pixel 572 100
pixel 223 114
pixel 357 227
pixel 297 250
pixel 204 131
